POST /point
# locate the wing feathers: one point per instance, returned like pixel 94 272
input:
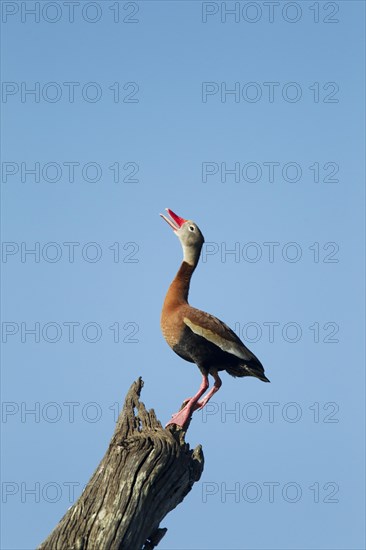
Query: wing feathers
pixel 216 332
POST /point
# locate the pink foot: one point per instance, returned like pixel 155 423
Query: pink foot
pixel 181 417
pixel 189 406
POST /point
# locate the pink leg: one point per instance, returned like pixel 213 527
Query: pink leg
pixel 181 417
pixel 212 391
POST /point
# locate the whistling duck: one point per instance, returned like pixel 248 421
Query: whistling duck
pixel 197 336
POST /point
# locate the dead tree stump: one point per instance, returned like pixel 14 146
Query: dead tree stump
pixel 146 472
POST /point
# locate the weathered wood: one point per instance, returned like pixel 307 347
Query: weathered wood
pixel 146 472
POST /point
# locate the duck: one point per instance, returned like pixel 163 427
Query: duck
pixel 196 336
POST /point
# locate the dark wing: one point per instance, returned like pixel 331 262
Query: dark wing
pixel 217 332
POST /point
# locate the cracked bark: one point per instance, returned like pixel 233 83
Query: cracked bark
pixel 146 472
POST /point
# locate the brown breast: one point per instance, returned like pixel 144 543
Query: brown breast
pixel 175 305
pixel 172 323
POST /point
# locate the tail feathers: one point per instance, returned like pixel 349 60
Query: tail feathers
pixel 254 369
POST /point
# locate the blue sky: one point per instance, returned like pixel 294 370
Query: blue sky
pixel 150 107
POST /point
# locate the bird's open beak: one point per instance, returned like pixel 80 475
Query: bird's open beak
pixel 176 222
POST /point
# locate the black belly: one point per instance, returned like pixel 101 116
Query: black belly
pixel 206 355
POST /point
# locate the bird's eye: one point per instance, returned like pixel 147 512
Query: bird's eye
pixel 191 227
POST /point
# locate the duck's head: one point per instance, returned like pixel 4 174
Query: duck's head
pixel 189 235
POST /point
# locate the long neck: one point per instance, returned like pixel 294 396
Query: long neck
pixel 178 291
